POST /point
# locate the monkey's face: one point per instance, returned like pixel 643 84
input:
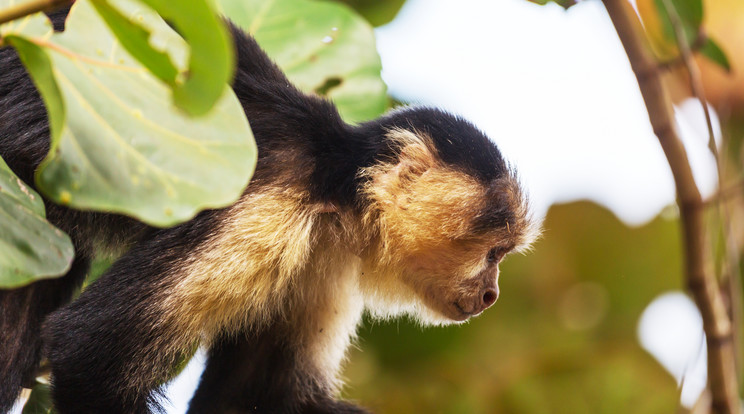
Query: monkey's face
pixel 457 280
pixel 439 284
pixel 440 235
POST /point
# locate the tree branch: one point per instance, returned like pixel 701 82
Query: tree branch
pixel 731 274
pixel 700 279
pixel 30 7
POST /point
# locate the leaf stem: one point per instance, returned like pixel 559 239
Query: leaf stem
pixel 30 7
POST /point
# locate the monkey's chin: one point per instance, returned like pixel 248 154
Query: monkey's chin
pixel 432 313
pixel 462 315
pixel 443 315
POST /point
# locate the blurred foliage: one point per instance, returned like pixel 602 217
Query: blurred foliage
pixel 40 400
pixel 719 61
pixel 563 3
pixel 377 12
pixel 662 37
pixel 561 338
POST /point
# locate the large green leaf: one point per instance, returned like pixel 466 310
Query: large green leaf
pixel 324 48
pixel 30 247
pixel 118 143
pixel 32 25
pixel 200 83
pixel 134 34
pixel 211 57
pixel 377 12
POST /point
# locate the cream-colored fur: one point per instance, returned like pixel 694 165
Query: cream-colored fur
pixel 278 257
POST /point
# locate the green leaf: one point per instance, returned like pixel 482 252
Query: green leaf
pixel 39 65
pixel 40 401
pixel 36 24
pixel 211 58
pixel 377 12
pixel 713 52
pixel 563 3
pixel 136 40
pixel 322 47
pixel 118 144
pixel 690 14
pixel 196 84
pixel 30 247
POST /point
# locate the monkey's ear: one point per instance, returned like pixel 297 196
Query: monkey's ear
pixel 415 156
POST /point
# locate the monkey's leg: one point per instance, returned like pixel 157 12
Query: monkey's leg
pixel 111 349
pixel 261 373
pixel 21 314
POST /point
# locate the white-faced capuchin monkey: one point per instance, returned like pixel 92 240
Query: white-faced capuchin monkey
pixel 407 214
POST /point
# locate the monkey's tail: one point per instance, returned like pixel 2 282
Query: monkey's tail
pixel 22 311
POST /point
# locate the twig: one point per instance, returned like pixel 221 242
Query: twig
pixel 700 278
pixel 696 86
pixel 696 45
pixel 726 192
pixel 732 250
pixel 30 7
pixel 732 284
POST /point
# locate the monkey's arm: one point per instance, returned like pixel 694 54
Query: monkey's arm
pixel 261 373
pixel 114 345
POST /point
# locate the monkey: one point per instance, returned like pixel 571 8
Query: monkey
pixel 408 214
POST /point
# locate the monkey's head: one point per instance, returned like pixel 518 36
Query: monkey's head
pixel 445 209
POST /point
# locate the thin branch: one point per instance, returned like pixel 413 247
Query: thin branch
pixel 726 192
pixel 696 45
pixel 699 275
pixel 30 7
pixel 696 83
pixel 696 86
pixel 732 284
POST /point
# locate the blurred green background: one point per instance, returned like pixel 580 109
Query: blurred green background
pixel 561 338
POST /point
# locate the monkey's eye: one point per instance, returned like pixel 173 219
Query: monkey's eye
pixel 495 255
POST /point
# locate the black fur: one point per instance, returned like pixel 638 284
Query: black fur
pixel 95 343
pixel 21 314
pixel 257 373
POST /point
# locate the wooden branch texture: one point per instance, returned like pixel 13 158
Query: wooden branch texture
pixel 722 376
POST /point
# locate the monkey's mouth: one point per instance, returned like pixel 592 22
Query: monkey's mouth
pixel 462 314
pixel 468 307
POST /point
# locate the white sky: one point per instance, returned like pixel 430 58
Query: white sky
pixel 671 329
pixel 553 88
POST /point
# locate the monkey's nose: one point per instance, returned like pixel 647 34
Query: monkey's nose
pixel 488 297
